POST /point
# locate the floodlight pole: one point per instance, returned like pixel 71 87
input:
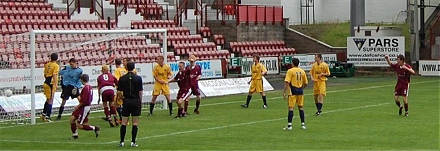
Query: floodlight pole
pixel 415 53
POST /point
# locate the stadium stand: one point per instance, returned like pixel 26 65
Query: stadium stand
pixel 17 17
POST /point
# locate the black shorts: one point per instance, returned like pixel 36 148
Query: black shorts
pixel 131 107
pixel 67 92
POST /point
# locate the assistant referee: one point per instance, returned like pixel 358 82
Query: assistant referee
pixel 131 86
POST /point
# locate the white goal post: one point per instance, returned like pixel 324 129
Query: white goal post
pixel 35 33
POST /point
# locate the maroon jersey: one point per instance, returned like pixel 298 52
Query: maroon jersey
pixel 403 76
pixel 182 78
pixel 107 79
pixel 194 73
pixel 86 96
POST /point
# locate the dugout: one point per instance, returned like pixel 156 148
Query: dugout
pixel 341 69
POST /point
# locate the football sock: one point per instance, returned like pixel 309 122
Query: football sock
pixel 197 104
pixel 301 115
pixel 186 106
pixel 61 110
pixel 106 112
pixel 406 107
pixel 249 97
pixel 134 131
pixel 49 110
pixel 112 110
pixel 398 103
pixel 73 127
pixel 119 110
pixel 289 116
pixel 264 100
pixel 179 111
pixel 122 132
pixel 88 127
pixel 45 107
pixel 151 107
pixel 170 106
pixel 319 107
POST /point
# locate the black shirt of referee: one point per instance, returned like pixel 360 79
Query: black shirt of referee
pixel 131 86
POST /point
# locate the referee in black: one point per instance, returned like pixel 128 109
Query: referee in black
pixel 131 86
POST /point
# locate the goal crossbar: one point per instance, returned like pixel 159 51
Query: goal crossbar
pixel 33 34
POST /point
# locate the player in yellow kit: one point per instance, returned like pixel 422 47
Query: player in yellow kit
pixel 296 81
pixel 161 73
pixel 318 74
pixel 258 70
pixel 50 85
pixel 119 72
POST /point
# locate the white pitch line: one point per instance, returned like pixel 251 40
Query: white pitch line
pixel 247 123
pixel 192 131
pixel 231 102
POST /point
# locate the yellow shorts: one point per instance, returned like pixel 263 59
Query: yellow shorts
pixel 295 99
pixel 48 91
pixel 161 89
pixel 119 100
pixel 319 87
pixel 256 86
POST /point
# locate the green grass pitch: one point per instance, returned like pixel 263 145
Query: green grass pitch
pixel 358 114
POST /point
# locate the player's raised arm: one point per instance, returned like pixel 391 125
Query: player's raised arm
pixel 388 60
pixel 408 68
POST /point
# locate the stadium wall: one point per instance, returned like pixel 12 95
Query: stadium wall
pixel 243 32
pixel 228 30
pixel 260 32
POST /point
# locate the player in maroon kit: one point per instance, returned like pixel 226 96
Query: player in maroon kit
pixel 79 118
pixel 195 74
pixel 107 90
pixel 404 72
pixel 182 78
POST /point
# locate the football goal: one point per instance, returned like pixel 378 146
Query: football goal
pixel 23 56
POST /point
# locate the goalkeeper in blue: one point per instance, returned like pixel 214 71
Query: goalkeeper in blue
pixel 295 82
pixel 72 83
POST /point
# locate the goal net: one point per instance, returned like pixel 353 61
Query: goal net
pixel 23 57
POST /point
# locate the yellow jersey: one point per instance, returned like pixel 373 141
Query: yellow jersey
pixel 318 69
pixel 162 72
pixel 296 77
pixel 257 69
pixel 51 69
pixel 121 71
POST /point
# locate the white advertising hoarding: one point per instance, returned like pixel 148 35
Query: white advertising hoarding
pixel 370 51
pixel 429 67
pixel 17 78
pixel 271 64
pixel 306 60
pixel 220 87
pixel 214 87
